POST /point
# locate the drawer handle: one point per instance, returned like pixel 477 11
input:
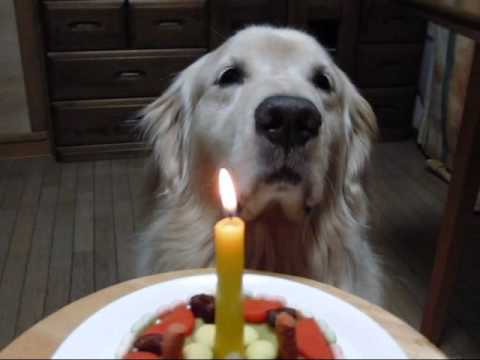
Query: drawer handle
pixel 169 25
pixel 130 75
pixel 85 26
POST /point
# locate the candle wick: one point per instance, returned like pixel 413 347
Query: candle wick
pixel 229 213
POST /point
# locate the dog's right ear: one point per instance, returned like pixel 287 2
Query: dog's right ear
pixel 165 125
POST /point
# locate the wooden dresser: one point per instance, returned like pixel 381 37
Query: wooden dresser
pixel 105 59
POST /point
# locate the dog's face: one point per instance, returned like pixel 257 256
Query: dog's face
pixel 272 107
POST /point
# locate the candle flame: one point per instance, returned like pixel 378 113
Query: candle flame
pixel 227 191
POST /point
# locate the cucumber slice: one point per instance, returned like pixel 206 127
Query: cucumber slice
pixel 197 351
pixel 205 334
pixel 199 322
pixel 261 349
pixel 249 335
pixel 265 332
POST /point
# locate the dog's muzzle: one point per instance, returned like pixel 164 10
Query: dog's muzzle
pixel 287 121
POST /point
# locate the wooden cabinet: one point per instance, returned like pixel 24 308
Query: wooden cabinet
pixel 249 12
pixel 93 122
pixel 388 65
pixel 389 53
pixel 386 21
pixel 322 19
pixel 168 24
pixel 379 45
pixel 85 25
pixel 393 106
pixel 105 59
pixel 115 74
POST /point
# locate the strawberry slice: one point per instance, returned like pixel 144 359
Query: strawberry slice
pixel 179 315
pixel 311 342
pixel 255 310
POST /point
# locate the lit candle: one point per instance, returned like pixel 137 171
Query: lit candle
pixel 229 252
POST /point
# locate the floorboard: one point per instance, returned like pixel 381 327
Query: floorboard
pixel 13 187
pixel 136 182
pixel 60 270
pixel 5 166
pixel 14 272
pixel 83 276
pixel 36 279
pixel 124 220
pixel 106 270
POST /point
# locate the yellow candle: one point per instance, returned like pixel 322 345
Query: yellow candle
pixel 229 247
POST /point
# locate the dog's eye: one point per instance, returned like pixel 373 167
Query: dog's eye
pixel 231 76
pixel 321 81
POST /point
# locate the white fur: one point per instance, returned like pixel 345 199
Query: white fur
pixel 196 127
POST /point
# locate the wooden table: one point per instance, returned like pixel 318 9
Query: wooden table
pixel 42 340
pixel 458 219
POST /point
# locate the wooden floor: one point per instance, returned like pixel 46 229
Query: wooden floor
pixel 67 230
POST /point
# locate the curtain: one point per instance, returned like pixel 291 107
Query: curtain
pixel 443 84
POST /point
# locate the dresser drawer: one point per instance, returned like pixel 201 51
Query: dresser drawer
pixel 392 106
pixel 388 65
pixel 168 23
pixel 388 21
pixel 247 12
pixel 96 121
pixel 85 24
pixel 115 74
pixel 323 9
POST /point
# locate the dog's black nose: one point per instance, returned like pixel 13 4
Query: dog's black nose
pixel 287 121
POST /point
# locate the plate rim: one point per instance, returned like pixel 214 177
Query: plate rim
pixel 251 274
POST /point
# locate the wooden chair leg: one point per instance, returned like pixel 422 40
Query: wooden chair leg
pixel 460 202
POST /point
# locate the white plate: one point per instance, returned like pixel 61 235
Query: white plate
pixel 101 334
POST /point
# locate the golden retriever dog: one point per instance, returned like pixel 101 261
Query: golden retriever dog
pixel 271 106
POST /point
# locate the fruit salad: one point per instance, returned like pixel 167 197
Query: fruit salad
pixel 272 331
